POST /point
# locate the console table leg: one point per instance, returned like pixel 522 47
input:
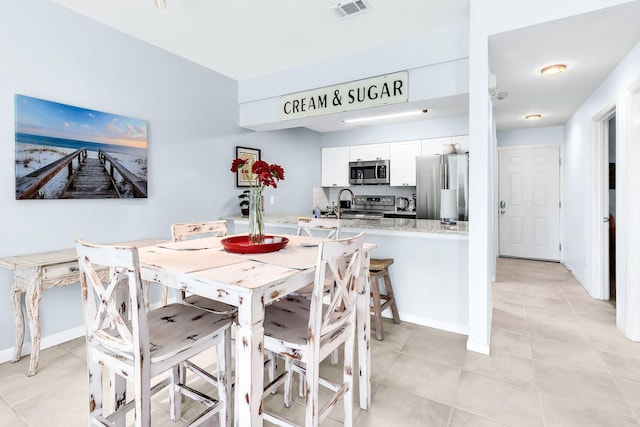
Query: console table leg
pixel 33 297
pixel 18 320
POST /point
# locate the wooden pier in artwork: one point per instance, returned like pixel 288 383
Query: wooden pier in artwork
pixel 88 178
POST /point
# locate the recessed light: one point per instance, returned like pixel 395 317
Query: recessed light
pixel 533 117
pixel 553 70
pixel 386 116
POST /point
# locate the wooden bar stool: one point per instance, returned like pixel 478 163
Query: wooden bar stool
pixel 379 269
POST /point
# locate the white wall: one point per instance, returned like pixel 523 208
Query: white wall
pixel 47 51
pixel 437 63
pixel 488 18
pixel 579 190
pixel 531 136
pixel 437 47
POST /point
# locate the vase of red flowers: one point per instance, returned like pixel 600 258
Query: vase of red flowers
pixel 259 174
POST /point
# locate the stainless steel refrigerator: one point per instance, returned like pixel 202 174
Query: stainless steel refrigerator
pixel 437 172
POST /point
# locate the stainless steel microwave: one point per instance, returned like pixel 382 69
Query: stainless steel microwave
pixel 373 172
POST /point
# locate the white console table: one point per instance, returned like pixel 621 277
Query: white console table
pixel 34 273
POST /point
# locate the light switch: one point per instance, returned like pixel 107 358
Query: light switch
pixel 272 200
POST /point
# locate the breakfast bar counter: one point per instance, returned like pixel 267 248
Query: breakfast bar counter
pixel 430 270
pixel 394 226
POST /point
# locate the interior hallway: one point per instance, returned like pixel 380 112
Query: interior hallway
pixel 557 360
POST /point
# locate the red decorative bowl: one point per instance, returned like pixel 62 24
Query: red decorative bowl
pixel 241 245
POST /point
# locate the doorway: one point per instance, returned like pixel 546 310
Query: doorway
pixel 604 214
pixel 610 185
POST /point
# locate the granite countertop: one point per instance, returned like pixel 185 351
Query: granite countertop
pixel 382 225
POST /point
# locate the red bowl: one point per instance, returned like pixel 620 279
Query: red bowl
pixel 241 245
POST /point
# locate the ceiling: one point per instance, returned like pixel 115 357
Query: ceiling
pixel 591 45
pixel 248 38
pixel 243 39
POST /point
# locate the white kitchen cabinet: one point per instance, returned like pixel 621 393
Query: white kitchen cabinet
pixel 368 152
pixel 402 156
pixel 335 166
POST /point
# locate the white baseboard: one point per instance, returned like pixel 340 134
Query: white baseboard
pixel 46 342
pixel 477 347
pixel 423 321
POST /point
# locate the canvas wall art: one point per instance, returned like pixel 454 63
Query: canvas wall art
pixel 67 152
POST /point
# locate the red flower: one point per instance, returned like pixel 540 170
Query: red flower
pixel 237 164
pixel 260 174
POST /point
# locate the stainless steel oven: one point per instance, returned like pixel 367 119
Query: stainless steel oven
pixel 372 172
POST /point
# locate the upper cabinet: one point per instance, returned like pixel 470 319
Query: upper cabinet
pixel 335 166
pixel 368 152
pixel 402 157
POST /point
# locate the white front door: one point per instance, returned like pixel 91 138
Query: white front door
pixel 529 202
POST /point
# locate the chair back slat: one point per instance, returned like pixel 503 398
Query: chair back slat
pixel 326 228
pixel 180 232
pixel 108 274
pixel 342 261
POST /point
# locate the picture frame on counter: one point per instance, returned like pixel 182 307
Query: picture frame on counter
pixel 245 153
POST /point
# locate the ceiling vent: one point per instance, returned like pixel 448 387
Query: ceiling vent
pixel 350 8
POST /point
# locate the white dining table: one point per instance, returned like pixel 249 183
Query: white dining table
pixel 250 282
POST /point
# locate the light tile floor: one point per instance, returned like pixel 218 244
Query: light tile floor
pixel 557 360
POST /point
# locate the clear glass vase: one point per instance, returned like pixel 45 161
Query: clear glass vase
pixel 256 216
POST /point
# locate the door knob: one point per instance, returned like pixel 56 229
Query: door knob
pixel 503 204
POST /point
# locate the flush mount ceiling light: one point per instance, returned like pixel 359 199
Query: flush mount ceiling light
pixel 385 116
pixel 532 117
pixel 553 70
pixel 161 4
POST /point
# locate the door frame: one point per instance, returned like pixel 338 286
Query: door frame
pixel 560 147
pixel 630 244
pixel 600 201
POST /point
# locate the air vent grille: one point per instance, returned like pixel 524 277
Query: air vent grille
pixel 350 8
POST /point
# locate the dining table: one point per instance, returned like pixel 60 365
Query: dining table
pixel 251 281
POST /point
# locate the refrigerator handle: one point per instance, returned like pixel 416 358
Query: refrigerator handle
pixel 444 175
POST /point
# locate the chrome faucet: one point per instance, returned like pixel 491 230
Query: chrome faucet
pixel 353 200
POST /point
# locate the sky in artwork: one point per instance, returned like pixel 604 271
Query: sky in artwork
pixel 45 118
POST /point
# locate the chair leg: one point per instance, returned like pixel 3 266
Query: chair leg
pixel 301 385
pixel 288 382
pixel 175 399
pixel 165 295
pixel 95 391
pixel 348 365
pixel 223 352
pixel 392 299
pixel 142 393
pixel 377 311
pixel 118 396
pixel 313 385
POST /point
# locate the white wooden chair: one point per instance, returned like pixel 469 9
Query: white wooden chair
pixel 305 331
pixel 327 228
pixel 141 345
pixel 182 232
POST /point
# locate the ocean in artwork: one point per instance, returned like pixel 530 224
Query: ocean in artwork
pixel 48 132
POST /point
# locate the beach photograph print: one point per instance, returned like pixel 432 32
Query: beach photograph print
pixel 67 152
